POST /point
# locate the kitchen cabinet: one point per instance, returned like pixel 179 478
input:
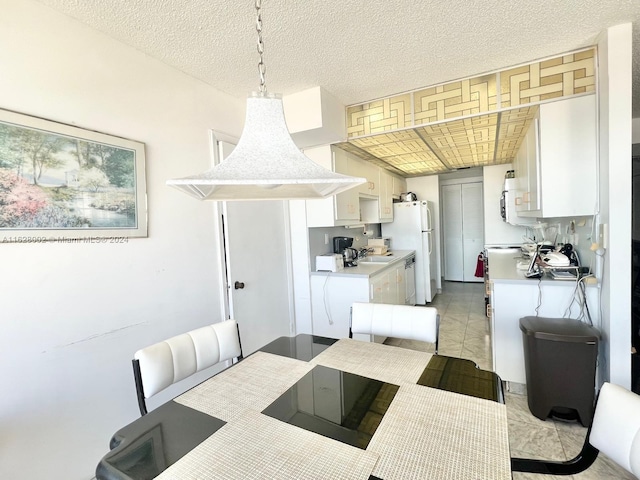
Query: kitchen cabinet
pixel 513 296
pixel 369 171
pixel 399 186
pixel 526 170
pixel 332 294
pixel 386 197
pixel 557 173
pixel 371 202
pixel 343 208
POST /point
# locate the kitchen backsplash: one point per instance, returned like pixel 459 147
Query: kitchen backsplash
pixel 578 232
pixel 317 244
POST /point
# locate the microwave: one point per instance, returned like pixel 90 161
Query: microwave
pixel 508 205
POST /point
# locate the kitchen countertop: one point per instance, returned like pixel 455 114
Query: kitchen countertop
pixel 370 269
pixel 503 269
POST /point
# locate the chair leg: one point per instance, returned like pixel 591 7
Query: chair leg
pixel 580 463
pixel 139 389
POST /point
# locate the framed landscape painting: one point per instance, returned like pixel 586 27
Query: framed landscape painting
pixel 60 183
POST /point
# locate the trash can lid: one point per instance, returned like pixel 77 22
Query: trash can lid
pixel 559 329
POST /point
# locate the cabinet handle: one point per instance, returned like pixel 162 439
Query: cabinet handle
pixel 489 311
pixel 525 197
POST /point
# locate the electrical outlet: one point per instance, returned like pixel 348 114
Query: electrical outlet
pixel 326 239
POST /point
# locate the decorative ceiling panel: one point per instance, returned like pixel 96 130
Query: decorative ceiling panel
pixel 431 149
pixel 513 127
pixel 466 123
pixel 558 77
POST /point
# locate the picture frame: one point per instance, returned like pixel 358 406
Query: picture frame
pixel 61 183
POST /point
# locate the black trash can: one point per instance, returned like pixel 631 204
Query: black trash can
pixel 560 357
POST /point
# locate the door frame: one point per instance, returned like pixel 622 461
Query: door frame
pixel 220 215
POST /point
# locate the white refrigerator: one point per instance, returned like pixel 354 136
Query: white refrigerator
pixel 412 229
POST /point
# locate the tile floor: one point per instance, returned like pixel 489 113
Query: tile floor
pixel 464 332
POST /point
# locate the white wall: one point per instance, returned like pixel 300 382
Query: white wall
pixel 614 76
pixel 72 315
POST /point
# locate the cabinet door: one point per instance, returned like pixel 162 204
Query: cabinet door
pixel 399 186
pixel 520 174
pixel 532 199
pixel 568 153
pixel 386 202
pixel 346 203
pixel 362 168
pixel 380 288
pixel 400 286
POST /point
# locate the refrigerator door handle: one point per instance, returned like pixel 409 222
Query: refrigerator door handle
pixel 429 227
pixel 430 240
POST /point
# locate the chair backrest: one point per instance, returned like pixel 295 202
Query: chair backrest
pixel 615 430
pixel 398 321
pixel 160 365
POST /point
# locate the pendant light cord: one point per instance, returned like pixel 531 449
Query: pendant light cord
pixel 262 69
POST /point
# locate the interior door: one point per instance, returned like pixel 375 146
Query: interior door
pixel 452 233
pixel 257 258
pixel 463 230
pixel 473 229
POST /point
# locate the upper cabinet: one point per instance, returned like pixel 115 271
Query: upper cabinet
pixel 371 202
pixel 399 186
pixel 556 164
pixel 386 197
pixel 370 172
pixel 343 208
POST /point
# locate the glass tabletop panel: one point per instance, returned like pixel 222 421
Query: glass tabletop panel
pixel 301 347
pixel 336 404
pixel 462 376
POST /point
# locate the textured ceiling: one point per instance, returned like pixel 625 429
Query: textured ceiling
pixel 357 50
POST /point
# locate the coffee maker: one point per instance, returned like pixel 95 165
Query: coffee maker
pixel 342 245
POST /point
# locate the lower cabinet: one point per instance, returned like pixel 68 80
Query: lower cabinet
pixel 333 295
pixel 511 301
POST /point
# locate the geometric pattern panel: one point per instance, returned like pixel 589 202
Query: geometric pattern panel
pixel 558 77
pixel 391 113
pixel 439 128
pixel 467 142
pixel 437 148
pixel 455 99
pixel 513 127
pixel 402 151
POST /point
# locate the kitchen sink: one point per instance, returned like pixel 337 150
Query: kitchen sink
pixel 376 259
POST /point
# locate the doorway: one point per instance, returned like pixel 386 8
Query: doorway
pixel 462 228
pixel 256 257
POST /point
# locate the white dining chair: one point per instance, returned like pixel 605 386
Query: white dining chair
pixel 615 431
pixel 398 321
pixel 162 364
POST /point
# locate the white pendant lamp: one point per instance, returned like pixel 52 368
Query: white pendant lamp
pixel 266 164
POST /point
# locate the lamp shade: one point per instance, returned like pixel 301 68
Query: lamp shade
pixel 266 164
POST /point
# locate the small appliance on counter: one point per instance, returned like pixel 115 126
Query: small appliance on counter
pixel 379 246
pixel 329 262
pixel 342 246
